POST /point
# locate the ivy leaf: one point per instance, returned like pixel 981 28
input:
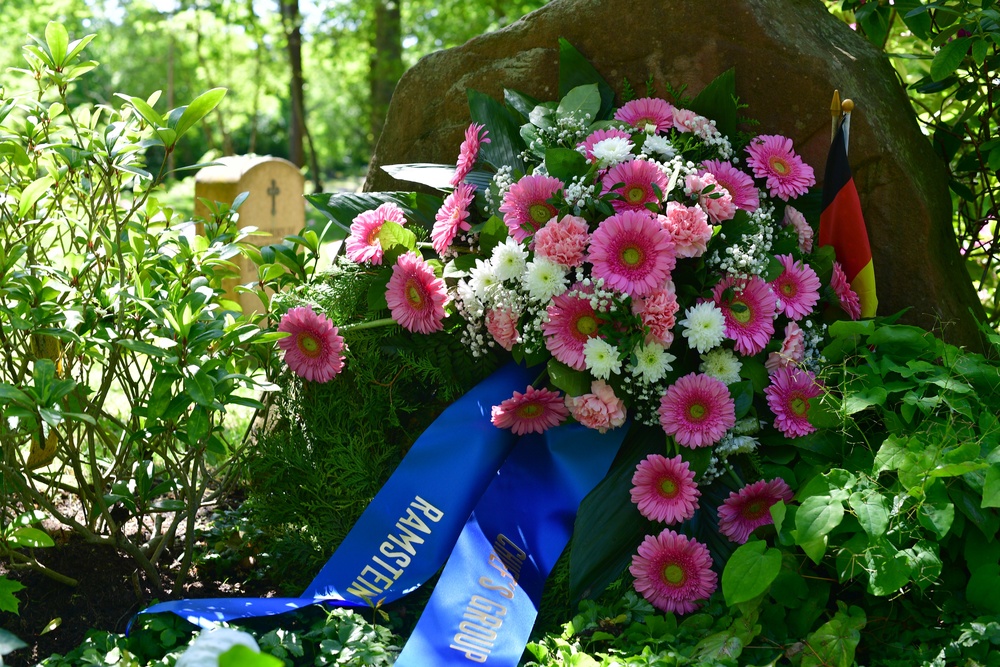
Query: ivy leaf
pixel 833 644
pixel 991 489
pixel 872 511
pixel 984 588
pixel 7 600
pixel 816 517
pixel 750 571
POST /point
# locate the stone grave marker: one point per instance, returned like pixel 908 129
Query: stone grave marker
pixel 275 205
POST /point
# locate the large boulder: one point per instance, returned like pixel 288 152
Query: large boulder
pixel 788 57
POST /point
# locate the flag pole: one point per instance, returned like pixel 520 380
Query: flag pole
pixel 834 114
pixel 847 107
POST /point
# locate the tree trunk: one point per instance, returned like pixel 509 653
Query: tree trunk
pixel 292 22
pixel 386 64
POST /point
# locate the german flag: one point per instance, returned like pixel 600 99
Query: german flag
pixel 842 225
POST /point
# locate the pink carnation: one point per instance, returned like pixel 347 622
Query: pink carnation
pixel 804 230
pixel 563 241
pixel 712 197
pixel 689 228
pixel 685 120
pixel 657 312
pixel 793 349
pixel 502 325
pixel 600 410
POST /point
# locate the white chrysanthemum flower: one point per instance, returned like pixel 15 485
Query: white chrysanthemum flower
pixel 467 295
pixel 721 364
pixel 544 279
pixel 609 152
pixel 601 358
pixel 704 326
pixel 652 362
pixel 483 280
pixel 509 259
pixel 658 145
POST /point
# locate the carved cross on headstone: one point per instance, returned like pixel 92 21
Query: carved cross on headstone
pixel 273 191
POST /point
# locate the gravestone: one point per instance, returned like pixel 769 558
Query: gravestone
pixel 275 206
pixel 789 57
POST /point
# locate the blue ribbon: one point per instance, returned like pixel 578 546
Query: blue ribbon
pixel 525 493
pixel 419 513
pixel 485 603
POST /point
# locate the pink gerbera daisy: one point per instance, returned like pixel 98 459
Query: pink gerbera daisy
pixel 600 135
pixel 416 298
pixel 647 111
pixel 664 489
pixel 846 297
pixel 739 185
pixel 673 572
pixel 635 180
pixel 657 312
pixel 313 349
pixel 572 322
pixel 797 287
pixel 749 307
pixel 804 230
pixel 772 157
pixel 468 152
pixel 534 411
pixel 632 253
pixel 363 245
pixel 525 205
pixel 750 508
pixel 688 227
pixel 563 241
pixel 452 217
pixel 697 410
pixel 788 397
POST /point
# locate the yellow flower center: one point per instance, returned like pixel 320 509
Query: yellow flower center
pixel 529 410
pixel 674 575
pixel 586 325
pixel 798 405
pixel 788 289
pixel 635 194
pixel 414 295
pixel 308 345
pixel 741 313
pixel 373 235
pixel 697 411
pixel 631 256
pixel 540 213
pixel 668 489
pixel 779 165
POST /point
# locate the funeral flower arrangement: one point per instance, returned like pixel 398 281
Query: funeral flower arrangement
pixel 654 264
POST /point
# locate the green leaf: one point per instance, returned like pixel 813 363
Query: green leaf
pixel 872 511
pixel 863 398
pixel 936 517
pixel 565 163
pixel 395 240
pixel 200 107
pixel 201 388
pixel 991 489
pixel 994 159
pixel 948 59
pixel 27 536
pixel 608 527
pixel 32 193
pixel 749 572
pixel 888 569
pixel 816 517
pixel 7 600
pixel 575 70
pixel 57 39
pixel 9 642
pixel 834 643
pixel 343 208
pixel 147 112
pixel 915 17
pixel 983 589
pixel 569 380
pixel 244 656
pixel 718 102
pixel 581 102
pixel 376 291
pixel 505 145
pixel 11 394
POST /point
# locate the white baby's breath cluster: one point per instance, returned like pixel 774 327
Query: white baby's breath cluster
pixel 751 256
pixel 502 180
